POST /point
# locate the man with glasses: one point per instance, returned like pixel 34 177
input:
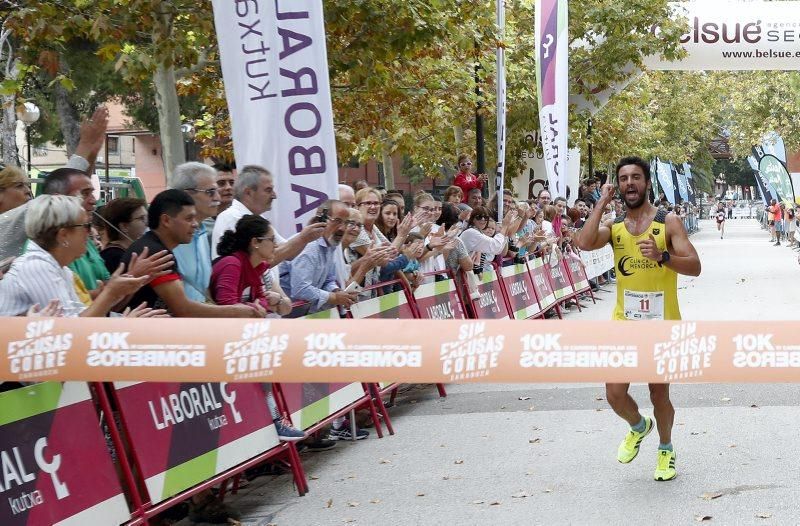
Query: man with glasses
pixel 543 199
pixel 465 179
pixel 226 177
pixel 311 276
pixel 194 258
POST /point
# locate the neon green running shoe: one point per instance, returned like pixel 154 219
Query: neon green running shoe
pixel 629 447
pixel 665 469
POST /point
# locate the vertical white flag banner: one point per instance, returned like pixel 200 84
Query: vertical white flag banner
pixel 501 106
pixel 275 69
pixel 552 80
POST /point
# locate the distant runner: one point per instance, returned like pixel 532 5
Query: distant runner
pixel 721 220
pixel 651 247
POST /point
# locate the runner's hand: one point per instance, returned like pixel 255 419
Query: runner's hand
pixel 650 249
pixel 606 195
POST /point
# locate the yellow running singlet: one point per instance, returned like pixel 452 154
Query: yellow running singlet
pixel 645 290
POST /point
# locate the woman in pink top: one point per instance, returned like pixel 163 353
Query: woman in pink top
pixel 237 275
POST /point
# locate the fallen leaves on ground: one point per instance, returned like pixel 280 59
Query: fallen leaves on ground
pixel 329 503
pixel 763 515
pixel 313 477
pixel 711 495
pixel 599 398
pixel 375 501
pixel 478 502
pixel 725 399
pixel 495 503
pixel 420 494
pixel 384 461
pixel 548 490
pixel 353 504
pixel 702 518
pixel 458 462
pixel 534 441
pixel 520 495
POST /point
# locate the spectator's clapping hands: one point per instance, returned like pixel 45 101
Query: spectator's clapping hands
pixel 143 311
pixel 51 310
pixel 154 266
pixel 405 226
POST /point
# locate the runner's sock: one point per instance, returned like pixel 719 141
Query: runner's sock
pixel 640 427
pixel 665 447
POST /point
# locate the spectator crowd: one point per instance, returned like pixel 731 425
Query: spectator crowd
pixel 204 247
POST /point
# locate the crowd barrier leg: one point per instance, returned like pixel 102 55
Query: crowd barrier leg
pixel 375 392
pixel 371 405
pixel 295 465
pixel 138 506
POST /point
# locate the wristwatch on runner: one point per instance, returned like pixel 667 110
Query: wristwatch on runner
pixel 664 258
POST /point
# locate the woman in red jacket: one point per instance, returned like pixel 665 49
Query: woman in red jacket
pixel 465 179
pixel 236 276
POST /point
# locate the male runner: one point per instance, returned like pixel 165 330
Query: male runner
pixel 651 248
pixel 721 220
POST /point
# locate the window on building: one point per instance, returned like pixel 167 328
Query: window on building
pixel 113 145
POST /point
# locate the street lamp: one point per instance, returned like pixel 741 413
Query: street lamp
pixel 188 132
pixel 28 113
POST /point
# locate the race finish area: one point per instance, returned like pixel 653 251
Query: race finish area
pixel 544 453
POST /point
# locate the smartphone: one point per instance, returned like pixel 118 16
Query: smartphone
pixel 323 216
pixel 353 287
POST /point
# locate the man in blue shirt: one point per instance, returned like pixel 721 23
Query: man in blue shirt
pixel 194 259
pixel 311 276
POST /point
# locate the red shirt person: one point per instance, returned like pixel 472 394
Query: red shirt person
pixel 467 180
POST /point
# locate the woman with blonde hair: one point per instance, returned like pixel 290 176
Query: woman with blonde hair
pixel 14 189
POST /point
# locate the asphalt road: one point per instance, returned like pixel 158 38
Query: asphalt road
pixel 545 454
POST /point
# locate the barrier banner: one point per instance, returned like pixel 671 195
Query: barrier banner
pixel 406 351
pixel 310 403
pixel 491 305
pixel 538 271
pixel 439 301
pixel 731 35
pixel 391 306
pixel 577 275
pixel 185 433
pixel 558 279
pixel 275 67
pixel 56 467
pixel 598 261
pixel 521 294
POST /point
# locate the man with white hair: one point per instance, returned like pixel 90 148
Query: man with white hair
pixel 253 193
pixel 194 259
pixel 347 195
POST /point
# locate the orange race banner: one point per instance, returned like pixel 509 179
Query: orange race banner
pixel 419 351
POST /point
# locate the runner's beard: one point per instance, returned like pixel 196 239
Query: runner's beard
pixel 637 203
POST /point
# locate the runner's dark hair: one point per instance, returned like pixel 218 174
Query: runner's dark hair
pixel 638 161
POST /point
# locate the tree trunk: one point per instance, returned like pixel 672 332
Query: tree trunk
pixel 8 114
pixel 458 131
pixel 8 132
pixel 68 118
pixel 388 167
pixel 169 119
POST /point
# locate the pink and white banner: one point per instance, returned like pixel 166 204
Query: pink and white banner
pixel 552 79
pixel 275 68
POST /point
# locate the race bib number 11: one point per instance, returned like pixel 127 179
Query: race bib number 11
pixel 644 305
